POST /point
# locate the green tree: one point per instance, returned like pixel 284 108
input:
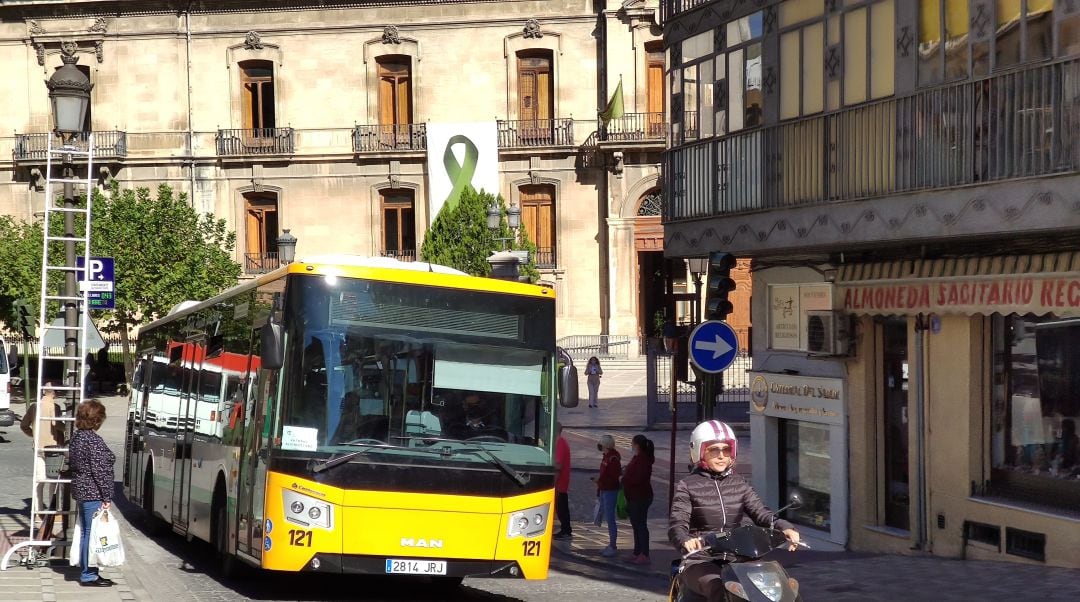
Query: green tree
pixel 20 254
pixel 164 253
pixel 459 237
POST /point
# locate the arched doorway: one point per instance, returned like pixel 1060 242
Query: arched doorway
pixel 657 277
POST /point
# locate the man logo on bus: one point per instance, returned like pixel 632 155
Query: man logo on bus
pixel 408 542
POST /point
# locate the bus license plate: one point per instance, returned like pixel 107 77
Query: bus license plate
pixel 415 567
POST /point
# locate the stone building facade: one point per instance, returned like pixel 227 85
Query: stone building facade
pixel 313 117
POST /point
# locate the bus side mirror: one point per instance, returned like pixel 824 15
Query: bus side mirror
pixel 272 338
pixel 568 386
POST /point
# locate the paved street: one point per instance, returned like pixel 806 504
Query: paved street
pixel 167 568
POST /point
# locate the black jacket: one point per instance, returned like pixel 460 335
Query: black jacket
pixel 707 501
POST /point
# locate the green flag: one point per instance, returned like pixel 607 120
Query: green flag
pixel 614 108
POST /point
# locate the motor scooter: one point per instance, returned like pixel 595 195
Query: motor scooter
pixel 744 577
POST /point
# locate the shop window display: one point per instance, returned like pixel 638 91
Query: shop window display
pixel 805 468
pixel 1035 448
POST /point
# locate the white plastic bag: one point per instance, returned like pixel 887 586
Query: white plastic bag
pixel 76 544
pixel 105 540
pixel 598 513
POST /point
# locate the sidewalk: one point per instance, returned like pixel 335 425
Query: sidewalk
pixel 848 576
pixel 56 582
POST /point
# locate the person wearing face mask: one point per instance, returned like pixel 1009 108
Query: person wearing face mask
pixel 714 498
pixel 607 488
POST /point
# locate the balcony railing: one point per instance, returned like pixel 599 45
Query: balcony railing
pixel 258 141
pixel 670 8
pixel 634 127
pixel 536 133
pixel 400 254
pixel 107 145
pixel 261 263
pixel 545 258
pixel 1008 126
pixel 388 138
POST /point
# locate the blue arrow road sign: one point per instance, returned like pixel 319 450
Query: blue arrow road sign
pixel 100 280
pixel 713 346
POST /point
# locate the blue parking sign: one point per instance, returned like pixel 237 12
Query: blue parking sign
pixel 100 280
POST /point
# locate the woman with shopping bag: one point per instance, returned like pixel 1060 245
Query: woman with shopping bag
pixel 92 481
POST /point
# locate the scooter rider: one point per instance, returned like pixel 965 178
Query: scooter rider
pixel 714 498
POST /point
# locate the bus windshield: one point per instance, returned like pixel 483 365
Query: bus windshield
pixel 391 368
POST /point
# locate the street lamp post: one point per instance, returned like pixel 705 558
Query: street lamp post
pixel 69 93
pixel 505 264
pixel 286 244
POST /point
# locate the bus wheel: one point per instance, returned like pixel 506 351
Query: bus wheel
pixel 227 563
pixel 151 524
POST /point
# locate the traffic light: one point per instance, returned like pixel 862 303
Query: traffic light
pixel 719 285
pixel 24 319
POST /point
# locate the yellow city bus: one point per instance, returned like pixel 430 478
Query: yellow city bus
pixel 355 415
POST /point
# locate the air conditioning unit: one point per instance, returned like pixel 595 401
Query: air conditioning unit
pixel 828 332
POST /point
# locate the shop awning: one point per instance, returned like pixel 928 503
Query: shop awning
pixel 1023 284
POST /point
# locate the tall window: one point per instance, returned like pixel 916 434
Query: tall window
pixel 395 90
pixel 395 101
pixel 399 224
pixel 536 93
pixel 654 88
pixel 1035 449
pixel 257 88
pixel 261 230
pixel 538 219
pixel 957 40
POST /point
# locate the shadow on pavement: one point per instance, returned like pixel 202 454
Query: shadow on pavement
pixel 198 558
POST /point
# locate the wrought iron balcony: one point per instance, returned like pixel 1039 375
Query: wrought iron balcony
pixel 1003 127
pixel 261 263
pixel 389 138
pixel 107 145
pixel 634 127
pixel 400 254
pixel 545 258
pixel 258 141
pixel 526 133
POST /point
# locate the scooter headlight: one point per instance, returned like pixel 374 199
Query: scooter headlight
pixel 768 583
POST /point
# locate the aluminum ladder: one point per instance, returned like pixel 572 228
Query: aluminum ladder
pixel 52 303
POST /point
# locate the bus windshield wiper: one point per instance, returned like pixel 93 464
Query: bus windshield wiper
pixel 520 479
pixel 338 461
pixel 486 454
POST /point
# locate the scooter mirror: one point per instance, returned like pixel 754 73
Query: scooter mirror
pixel 795 501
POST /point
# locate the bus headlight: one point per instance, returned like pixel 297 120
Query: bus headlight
pixel 529 522
pixel 307 511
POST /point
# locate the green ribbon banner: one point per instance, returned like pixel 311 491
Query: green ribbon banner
pixel 461 175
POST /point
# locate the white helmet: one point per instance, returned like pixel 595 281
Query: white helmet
pixel 708 433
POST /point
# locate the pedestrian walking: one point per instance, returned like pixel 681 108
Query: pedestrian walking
pixel 47 463
pixel 593 371
pixel 637 487
pixel 607 489
pixel 562 484
pixel 92 480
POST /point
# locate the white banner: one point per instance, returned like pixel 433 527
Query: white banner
pixel 461 154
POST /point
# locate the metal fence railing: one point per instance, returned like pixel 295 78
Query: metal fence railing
pixel 632 127
pixel 394 137
pixel 1009 125
pixel 671 8
pixel 261 263
pixel 536 133
pixel 400 254
pixel 603 346
pixel 545 257
pixel 107 145
pixel 258 141
pixel 732 400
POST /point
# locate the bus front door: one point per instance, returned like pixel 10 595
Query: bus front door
pixel 185 434
pixel 253 457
